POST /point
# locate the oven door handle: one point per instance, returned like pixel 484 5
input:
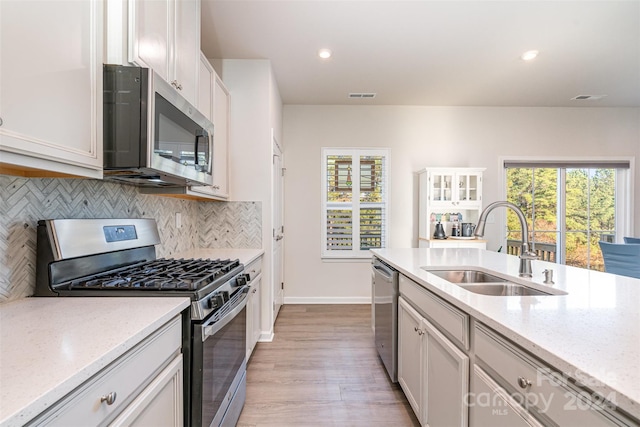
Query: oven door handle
pixel 209 330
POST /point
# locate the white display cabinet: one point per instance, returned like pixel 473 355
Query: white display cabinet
pixel 449 195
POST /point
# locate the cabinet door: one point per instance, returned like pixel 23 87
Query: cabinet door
pixel 205 87
pixel 152 36
pixel 187 48
pixel 51 85
pixel 468 188
pixel 255 302
pixel 440 185
pixel 410 355
pixel 213 102
pixel 160 404
pixel 221 110
pixel 491 406
pixel 447 381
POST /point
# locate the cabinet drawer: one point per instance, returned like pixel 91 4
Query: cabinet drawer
pixel 453 321
pixel 491 406
pixel 254 268
pixel 543 391
pixel 125 378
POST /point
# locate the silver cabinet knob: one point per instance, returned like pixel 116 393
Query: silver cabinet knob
pixel 109 398
pixel 524 383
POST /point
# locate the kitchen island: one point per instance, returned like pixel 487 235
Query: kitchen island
pixel 51 347
pixel 590 336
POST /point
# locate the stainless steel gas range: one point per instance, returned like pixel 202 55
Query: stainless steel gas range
pixel 117 257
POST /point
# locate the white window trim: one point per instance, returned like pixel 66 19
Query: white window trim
pixel 355 255
pixel 624 191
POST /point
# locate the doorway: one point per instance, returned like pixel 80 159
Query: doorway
pixel 277 258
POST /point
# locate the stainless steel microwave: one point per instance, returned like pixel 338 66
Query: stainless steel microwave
pixel 152 135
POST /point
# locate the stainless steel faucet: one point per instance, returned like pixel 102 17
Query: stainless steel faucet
pixel 525 254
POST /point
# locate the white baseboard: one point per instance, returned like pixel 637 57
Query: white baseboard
pixel 266 337
pixel 327 300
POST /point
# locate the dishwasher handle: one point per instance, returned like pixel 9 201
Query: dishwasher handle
pixel 385 272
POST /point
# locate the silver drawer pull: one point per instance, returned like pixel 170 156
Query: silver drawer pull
pixel 109 398
pixel 524 383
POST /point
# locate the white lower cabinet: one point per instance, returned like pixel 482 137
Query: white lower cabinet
pixel 432 371
pixel 160 404
pixel 410 349
pixel 142 387
pixel 254 304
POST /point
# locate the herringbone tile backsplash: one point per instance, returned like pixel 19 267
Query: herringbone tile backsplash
pixel 24 201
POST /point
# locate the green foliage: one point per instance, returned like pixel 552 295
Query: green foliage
pixel 589 207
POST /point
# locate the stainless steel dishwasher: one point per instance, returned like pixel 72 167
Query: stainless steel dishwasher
pixel 385 300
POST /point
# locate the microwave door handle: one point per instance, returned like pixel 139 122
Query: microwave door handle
pixel 195 152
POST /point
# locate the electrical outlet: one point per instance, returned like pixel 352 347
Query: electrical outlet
pixel 178 220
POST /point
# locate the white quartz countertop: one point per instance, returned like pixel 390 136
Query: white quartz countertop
pixel 592 333
pixel 50 346
pixel 244 255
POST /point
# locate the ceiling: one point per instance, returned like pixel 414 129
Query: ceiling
pixel 445 53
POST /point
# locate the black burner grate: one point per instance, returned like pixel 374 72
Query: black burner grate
pixel 160 274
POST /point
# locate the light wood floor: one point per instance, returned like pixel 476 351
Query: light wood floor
pixel 322 369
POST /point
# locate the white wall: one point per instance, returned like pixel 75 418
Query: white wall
pixel 421 137
pixel 256 110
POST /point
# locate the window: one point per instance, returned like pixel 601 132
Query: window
pixel 569 207
pixel 354 180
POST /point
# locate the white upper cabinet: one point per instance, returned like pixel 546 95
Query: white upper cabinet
pixel 51 87
pixel 449 196
pixel 163 35
pixel 187 48
pixel 454 187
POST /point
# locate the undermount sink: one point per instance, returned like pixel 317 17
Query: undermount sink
pixel 484 283
pixel 503 289
pixel 467 276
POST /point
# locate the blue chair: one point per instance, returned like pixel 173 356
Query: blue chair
pixel 622 259
pixel 632 240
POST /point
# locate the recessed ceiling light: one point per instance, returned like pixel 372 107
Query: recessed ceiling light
pixel 529 55
pixel 324 53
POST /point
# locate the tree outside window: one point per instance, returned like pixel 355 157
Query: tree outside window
pixel 568 211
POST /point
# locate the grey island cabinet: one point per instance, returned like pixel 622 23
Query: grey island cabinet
pixel 466 357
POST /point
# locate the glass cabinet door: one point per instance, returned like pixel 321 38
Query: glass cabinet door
pixel 441 187
pixel 468 188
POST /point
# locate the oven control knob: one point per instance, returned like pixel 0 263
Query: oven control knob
pixel 226 296
pixel 215 301
pixel 242 279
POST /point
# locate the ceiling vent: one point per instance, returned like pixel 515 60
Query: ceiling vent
pixel 588 97
pixel 362 95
